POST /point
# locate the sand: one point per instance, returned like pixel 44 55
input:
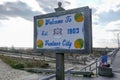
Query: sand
pixel 8 73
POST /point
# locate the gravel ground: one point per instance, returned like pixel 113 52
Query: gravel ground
pixel 8 73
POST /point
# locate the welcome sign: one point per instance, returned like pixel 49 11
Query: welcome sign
pixel 61 32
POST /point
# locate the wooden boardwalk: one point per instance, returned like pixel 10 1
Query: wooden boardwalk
pixel 115 67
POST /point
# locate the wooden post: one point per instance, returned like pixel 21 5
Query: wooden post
pixel 59 66
pixel 59 56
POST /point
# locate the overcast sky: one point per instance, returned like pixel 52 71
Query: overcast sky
pixel 16 20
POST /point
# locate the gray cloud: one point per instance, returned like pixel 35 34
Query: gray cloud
pixel 17 9
pixel 2 16
pixel 20 9
pixel 66 2
pixel 49 5
pixel 109 16
pixel 114 30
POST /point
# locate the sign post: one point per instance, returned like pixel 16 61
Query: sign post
pixel 64 31
pixel 59 66
pixel 59 56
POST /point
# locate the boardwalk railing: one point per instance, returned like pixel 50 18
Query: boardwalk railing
pixel 113 54
pixel 90 67
pixel 53 75
pixel 86 68
pixel 95 63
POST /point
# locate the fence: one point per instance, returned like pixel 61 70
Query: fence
pixel 88 67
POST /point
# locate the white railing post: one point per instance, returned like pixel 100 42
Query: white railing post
pixel 96 68
pixel 69 75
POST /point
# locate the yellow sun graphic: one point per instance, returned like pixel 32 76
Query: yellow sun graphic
pixel 40 43
pixel 40 22
pixel 78 17
pixel 78 43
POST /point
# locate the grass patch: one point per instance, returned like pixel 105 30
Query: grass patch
pixel 20 63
